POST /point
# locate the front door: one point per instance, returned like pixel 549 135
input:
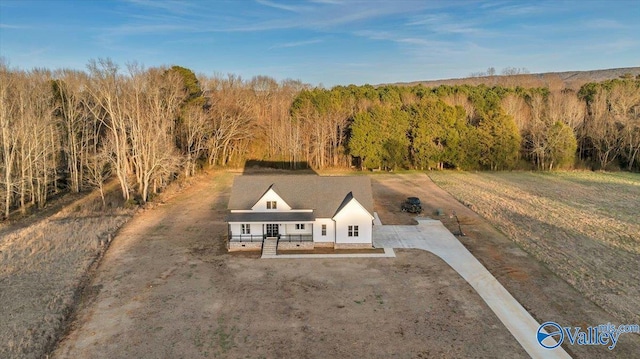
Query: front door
pixel 272 230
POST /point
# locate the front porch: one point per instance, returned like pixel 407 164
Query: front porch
pixel 284 235
pixel 248 242
pixel 251 238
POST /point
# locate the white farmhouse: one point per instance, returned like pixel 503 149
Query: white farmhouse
pixel 300 212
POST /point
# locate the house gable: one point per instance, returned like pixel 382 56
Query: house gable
pixel 353 223
pixel 270 196
pixel 349 207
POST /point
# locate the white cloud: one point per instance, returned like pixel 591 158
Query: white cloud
pixel 15 27
pixel 517 10
pixel 296 44
pixel 445 24
pixel 134 29
pixel 280 6
pixel 328 2
pixel 604 24
pixel 170 6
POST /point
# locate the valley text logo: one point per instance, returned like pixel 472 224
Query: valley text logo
pixel 551 335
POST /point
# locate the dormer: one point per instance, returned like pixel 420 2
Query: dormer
pixel 270 202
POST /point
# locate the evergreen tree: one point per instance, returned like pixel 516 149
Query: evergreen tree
pixel 396 146
pixel 499 141
pixel 366 140
pixel 379 137
pixel 437 132
pixel 562 146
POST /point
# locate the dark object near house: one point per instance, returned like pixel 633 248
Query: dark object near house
pixel 412 205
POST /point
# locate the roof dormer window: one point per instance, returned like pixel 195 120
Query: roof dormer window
pixel 272 205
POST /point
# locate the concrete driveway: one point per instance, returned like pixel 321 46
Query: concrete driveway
pixel 431 235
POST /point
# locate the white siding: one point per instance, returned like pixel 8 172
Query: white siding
pixel 317 230
pixel 353 214
pixel 271 195
pixel 236 228
pixel 290 228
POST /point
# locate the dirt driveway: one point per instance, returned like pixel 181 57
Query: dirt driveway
pixel 167 288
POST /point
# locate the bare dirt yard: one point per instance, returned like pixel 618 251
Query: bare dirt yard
pixel 168 288
pixel 549 213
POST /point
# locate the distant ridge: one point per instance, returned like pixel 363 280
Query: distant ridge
pixel 553 80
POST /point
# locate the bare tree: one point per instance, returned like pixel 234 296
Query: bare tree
pixel 603 131
pixel 624 102
pixel 38 137
pixel 76 124
pixel 8 131
pixel 193 133
pixel 152 107
pixel 632 137
pixel 97 171
pixel 232 116
pixel 536 130
pixel 106 91
pixel 567 108
pixel 512 71
pixel 516 106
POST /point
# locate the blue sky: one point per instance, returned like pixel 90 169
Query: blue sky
pixel 329 42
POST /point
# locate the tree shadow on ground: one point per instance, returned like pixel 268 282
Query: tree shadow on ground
pixel 252 167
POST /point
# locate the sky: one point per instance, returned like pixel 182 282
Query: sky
pixel 325 42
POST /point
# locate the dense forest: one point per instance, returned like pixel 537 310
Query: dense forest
pixel 69 130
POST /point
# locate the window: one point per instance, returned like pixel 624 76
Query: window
pixel 324 229
pixel 245 228
pixel 271 205
pixel 300 226
pixel 353 231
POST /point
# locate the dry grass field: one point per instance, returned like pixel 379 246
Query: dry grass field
pixel 584 226
pixel 42 268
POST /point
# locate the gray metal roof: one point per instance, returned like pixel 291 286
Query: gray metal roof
pixel 271 217
pixel 323 194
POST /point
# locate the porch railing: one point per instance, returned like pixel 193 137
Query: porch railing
pixel 246 238
pixel 296 238
pixel 281 237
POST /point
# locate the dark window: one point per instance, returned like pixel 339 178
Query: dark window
pixel 300 226
pixel 246 228
pixel 272 205
pixel 324 229
pixel 352 231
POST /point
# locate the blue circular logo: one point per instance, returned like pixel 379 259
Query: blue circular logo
pixel 550 330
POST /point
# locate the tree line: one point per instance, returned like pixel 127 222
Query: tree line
pixel 70 130
pixel 474 127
